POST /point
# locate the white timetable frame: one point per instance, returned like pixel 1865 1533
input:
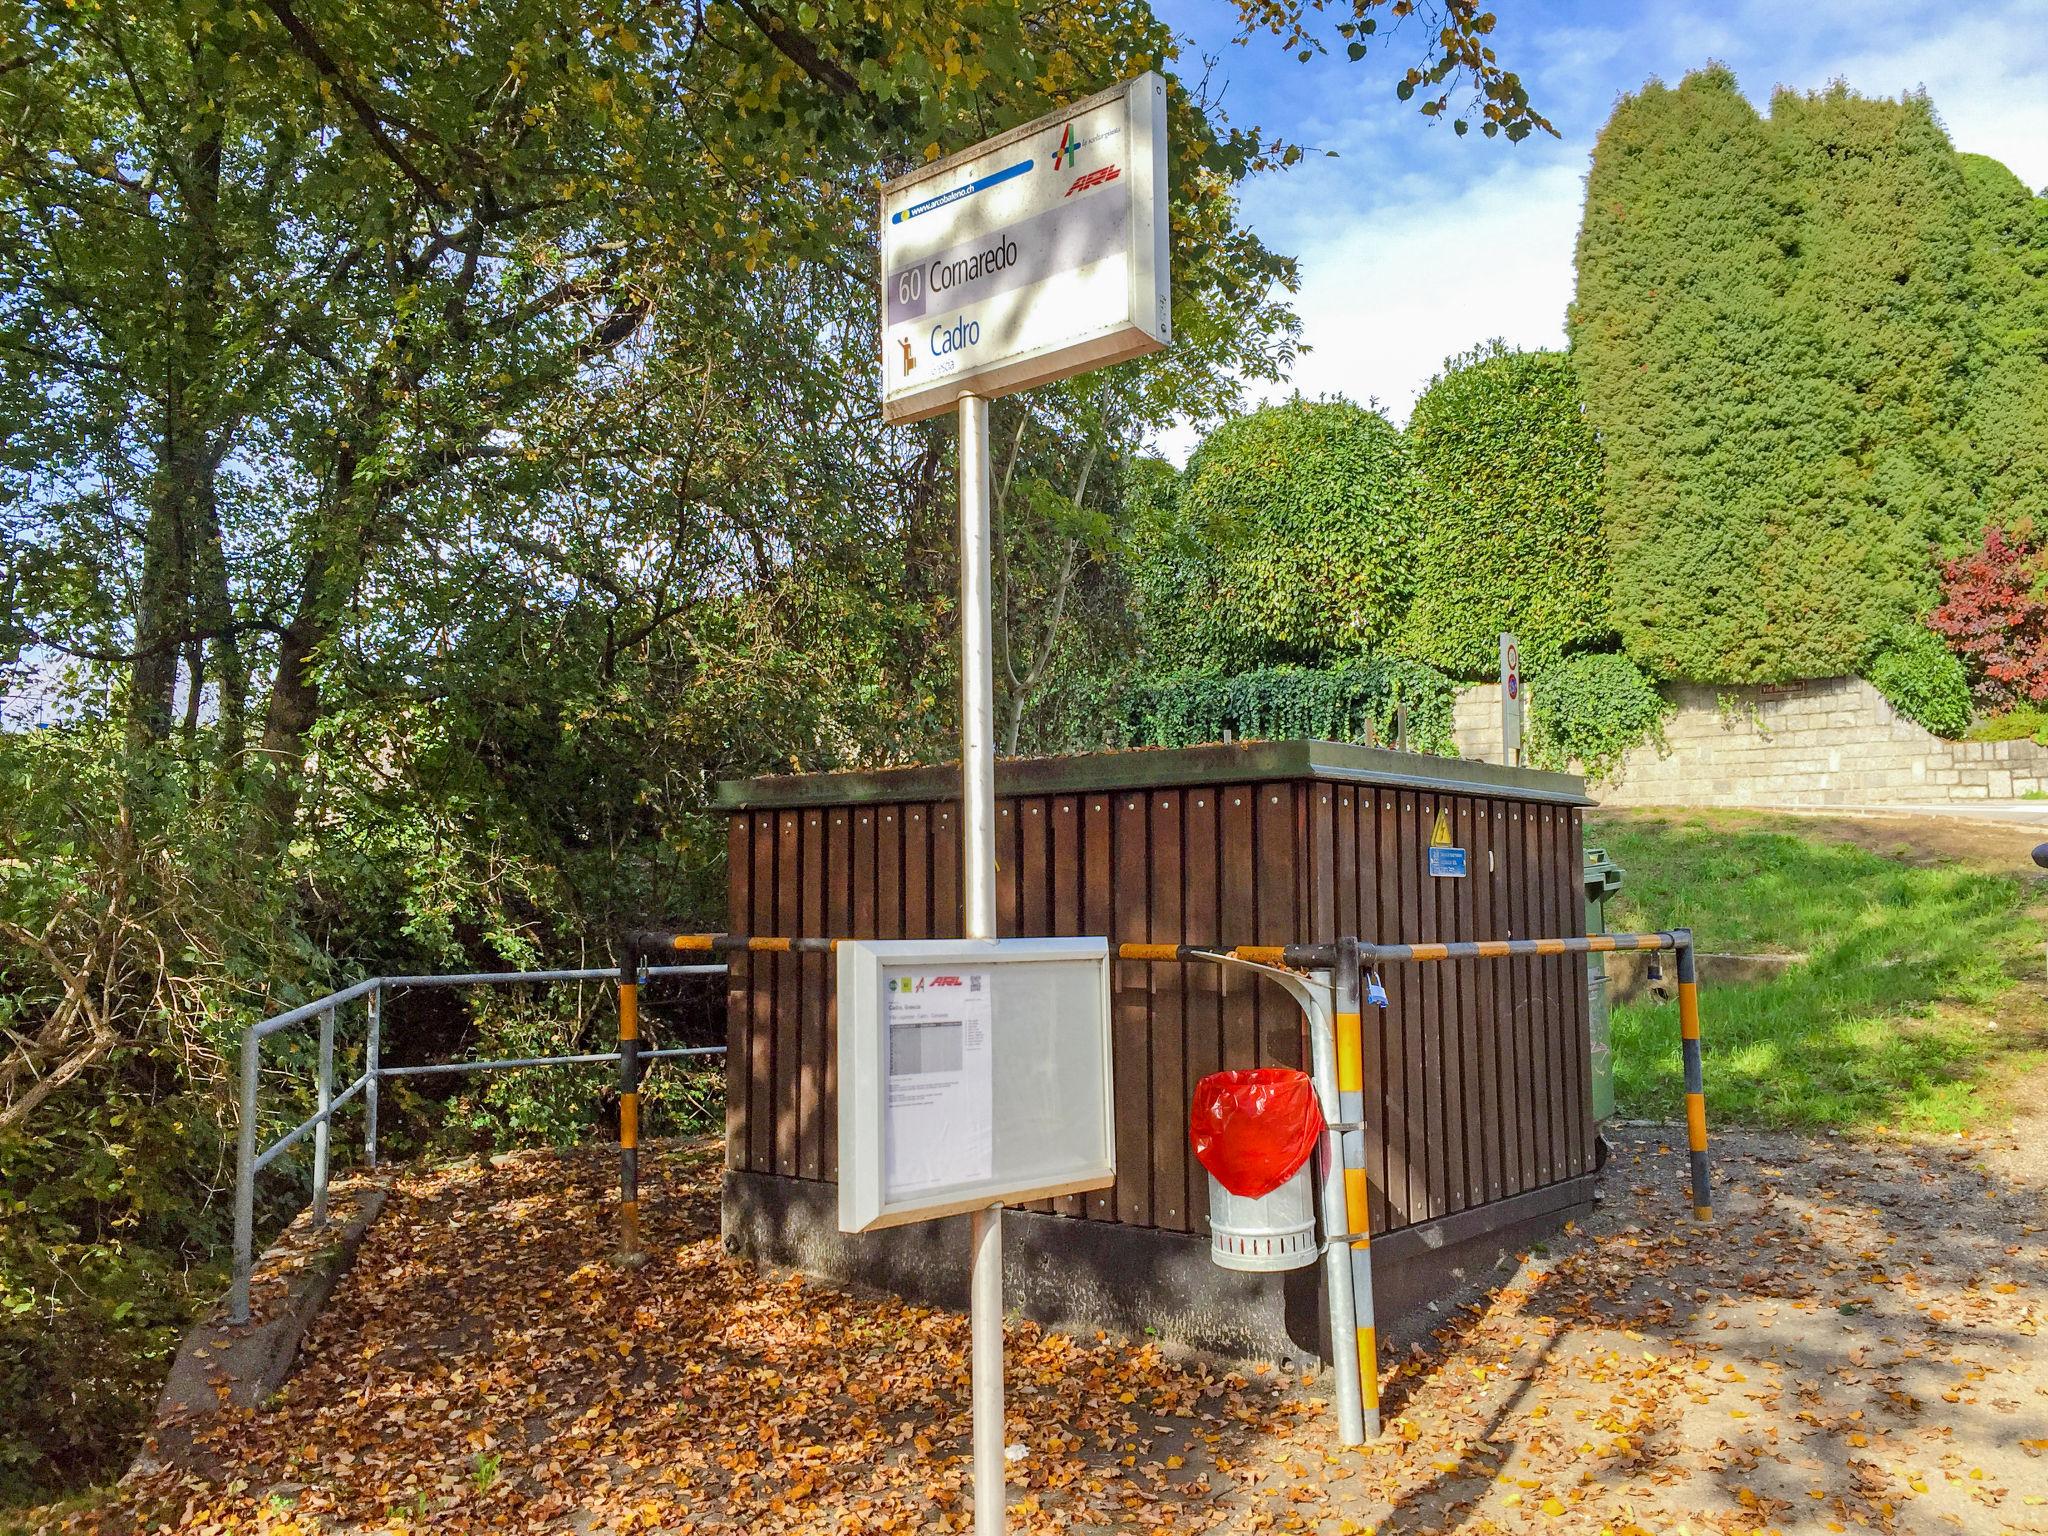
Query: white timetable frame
pixel 1053 1126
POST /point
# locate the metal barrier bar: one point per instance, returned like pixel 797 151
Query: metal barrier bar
pixel 298 1133
pixel 629 1105
pixel 596 1059
pixel 1357 1204
pixel 305 1011
pixel 1695 1079
pixel 1299 957
pixel 372 1067
pixel 506 978
pixel 322 1121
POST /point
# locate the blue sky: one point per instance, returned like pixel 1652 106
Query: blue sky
pixel 1416 244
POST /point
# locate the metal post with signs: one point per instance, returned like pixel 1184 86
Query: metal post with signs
pixel 1510 701
pixel 1035 255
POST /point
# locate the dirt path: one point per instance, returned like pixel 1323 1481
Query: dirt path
pixel 1855 1343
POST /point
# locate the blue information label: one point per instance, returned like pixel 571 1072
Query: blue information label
pixel 1447 863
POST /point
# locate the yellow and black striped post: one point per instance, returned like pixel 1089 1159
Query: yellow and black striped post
pixel 1695 1076
pixel 1351 1151
pixel 629 1105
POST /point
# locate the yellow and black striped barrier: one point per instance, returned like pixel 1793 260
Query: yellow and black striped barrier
pixel 1345 958
pixel 629 1107
pixel 1351 1153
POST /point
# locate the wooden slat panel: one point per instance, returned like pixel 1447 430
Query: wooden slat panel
pixel 1063 879
pixel 1375 812
pixel 1034 850
pixel 1033 900
pixel 1557 1011
pixel 917 871
pixel 1006 870
pixel 739 1021
pixel 1277 854
pixel 788 1041
pixel 1535 1001
pixel 839 922
pixel 889 872
pixel 864 874
pixel 1571 915
pixel 1486 1013
pixel 1473 1128
pixel 1408 1090
pixel 761 991
pixel 1098 914
pixel 1202 996
pixel 812 859
pixel 1527 1040
pixel 1439 1067
pixel 1239 918
pixel 1129 1023
pixel 1169 1020
pixel 946 919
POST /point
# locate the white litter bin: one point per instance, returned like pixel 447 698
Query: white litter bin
pixel 1276 1230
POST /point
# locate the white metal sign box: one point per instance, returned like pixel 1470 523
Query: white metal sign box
pixel 971 1072
pixel 1036 254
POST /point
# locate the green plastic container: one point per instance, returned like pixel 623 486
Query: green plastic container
pixel 1603 879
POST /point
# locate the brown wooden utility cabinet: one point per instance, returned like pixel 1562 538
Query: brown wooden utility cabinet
pixel 1481 1130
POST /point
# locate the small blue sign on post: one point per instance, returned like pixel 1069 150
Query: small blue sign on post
pixel 1447 863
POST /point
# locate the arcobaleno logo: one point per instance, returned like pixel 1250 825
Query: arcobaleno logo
pixel 1064 157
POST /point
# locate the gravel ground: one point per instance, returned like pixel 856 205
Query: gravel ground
pixel 1854 1343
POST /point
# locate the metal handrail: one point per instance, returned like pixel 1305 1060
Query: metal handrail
pixel 250 1160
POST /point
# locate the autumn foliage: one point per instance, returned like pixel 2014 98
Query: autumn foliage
pixel 1994 614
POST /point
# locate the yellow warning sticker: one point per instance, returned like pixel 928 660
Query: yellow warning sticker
pixel 1440 835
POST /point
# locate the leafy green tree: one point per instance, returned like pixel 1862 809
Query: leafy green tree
pixel 1294 542
pixel 1773 333
pixel 1507 470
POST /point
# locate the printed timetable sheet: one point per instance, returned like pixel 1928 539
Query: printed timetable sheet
pixel 939 1025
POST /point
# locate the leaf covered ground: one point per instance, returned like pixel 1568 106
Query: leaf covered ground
pixel 1855 1345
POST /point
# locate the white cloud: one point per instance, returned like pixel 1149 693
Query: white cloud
pixel 1387 295
pixel 1414 246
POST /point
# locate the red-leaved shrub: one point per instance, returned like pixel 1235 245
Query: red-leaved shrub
pixel 1994 615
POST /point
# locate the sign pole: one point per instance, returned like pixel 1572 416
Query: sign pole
pixel 978 826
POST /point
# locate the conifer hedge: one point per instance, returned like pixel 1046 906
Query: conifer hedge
pixel 1508 472
pixel 1295 543
pixel 1779 334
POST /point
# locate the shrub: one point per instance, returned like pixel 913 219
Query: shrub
pixel 1333 704
pixel 1593 711
pixel 1923 680
pixel 1508 470
pixel 1292 542
pixel 1774 331
pixel 1993 615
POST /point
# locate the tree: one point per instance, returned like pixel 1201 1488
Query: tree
pixel 2009 413
pixel 1294 542
pixel 1774 338
pixel 1508 473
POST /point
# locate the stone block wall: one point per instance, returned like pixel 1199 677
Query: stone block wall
pixel 1827 742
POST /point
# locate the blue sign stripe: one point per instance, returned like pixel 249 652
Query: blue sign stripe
pixel 954 196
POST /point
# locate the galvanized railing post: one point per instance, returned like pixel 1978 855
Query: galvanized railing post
pixel 245 1178
pixel 372 1054
pixel 325 1104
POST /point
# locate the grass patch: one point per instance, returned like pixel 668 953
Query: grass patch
pixel 1888 1023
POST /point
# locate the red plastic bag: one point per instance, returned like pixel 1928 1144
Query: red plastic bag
pixel 1254 1129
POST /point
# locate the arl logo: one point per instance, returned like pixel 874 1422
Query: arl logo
pixel 909 358
pixel 1107 174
